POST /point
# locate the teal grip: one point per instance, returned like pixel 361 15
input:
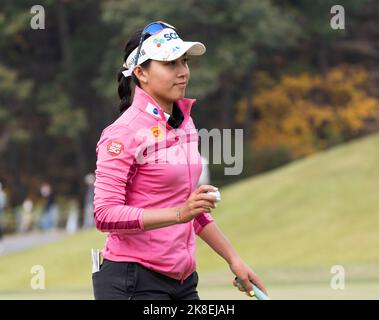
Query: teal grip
pixel 258 293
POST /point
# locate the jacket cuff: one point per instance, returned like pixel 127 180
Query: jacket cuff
pixel 123 219
pixel 201 221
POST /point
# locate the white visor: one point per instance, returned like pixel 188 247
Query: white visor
pixel 163 46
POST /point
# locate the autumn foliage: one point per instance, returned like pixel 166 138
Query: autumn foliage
pixel 306 113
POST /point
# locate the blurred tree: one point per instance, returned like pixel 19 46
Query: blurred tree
pixel 323 46
pixel 307 113
pixel 15 129
pixel 60 61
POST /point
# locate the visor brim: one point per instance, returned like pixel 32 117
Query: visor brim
pixel 191 48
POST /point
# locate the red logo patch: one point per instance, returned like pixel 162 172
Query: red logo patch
pixel 115 148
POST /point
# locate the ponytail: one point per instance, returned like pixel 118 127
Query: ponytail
pixel 125 85
pixel 124 90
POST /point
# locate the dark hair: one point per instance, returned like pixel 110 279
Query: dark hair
pixel 124 84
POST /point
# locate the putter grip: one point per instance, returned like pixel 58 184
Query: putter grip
pixel 257 292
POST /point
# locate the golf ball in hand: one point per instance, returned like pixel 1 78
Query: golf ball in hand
pixel 215 193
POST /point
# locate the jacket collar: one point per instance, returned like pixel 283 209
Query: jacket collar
pixel 143 101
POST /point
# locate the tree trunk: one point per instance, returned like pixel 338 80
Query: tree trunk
pixel 322 56
pixel 66 49
pixel 249 118
pixel 64 34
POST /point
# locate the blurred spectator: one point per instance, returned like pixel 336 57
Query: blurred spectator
pixel 50 213
pixel 205 176
pixel 25 215
pixel 73 217
pixel 3 203
pixel 89 180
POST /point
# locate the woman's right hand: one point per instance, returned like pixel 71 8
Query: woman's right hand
pixel 198 202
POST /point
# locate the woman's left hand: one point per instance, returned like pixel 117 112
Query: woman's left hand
pixel 245 274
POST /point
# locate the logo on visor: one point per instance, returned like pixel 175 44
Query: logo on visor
pixel 171 35
pixel 175 49
pixel 133 60
pixel 158 42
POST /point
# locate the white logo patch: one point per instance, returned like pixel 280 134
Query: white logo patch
pixel 150 108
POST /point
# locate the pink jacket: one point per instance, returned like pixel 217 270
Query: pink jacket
pixel 145 163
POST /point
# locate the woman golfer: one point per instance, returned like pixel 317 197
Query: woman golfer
pixel 148 167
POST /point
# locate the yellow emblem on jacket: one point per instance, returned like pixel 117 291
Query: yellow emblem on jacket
pixel 157 132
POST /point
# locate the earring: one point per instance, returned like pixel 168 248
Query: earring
pixel 145 81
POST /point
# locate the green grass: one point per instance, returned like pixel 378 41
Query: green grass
pixel 66 263
pixel 291 225
pixel 321 210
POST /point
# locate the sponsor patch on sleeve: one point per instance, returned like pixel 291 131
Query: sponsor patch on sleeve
pixel 115 148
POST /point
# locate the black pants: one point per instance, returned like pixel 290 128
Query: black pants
pixel 131 280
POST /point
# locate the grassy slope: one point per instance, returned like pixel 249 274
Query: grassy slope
pixel 315 212
pixel 321 210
